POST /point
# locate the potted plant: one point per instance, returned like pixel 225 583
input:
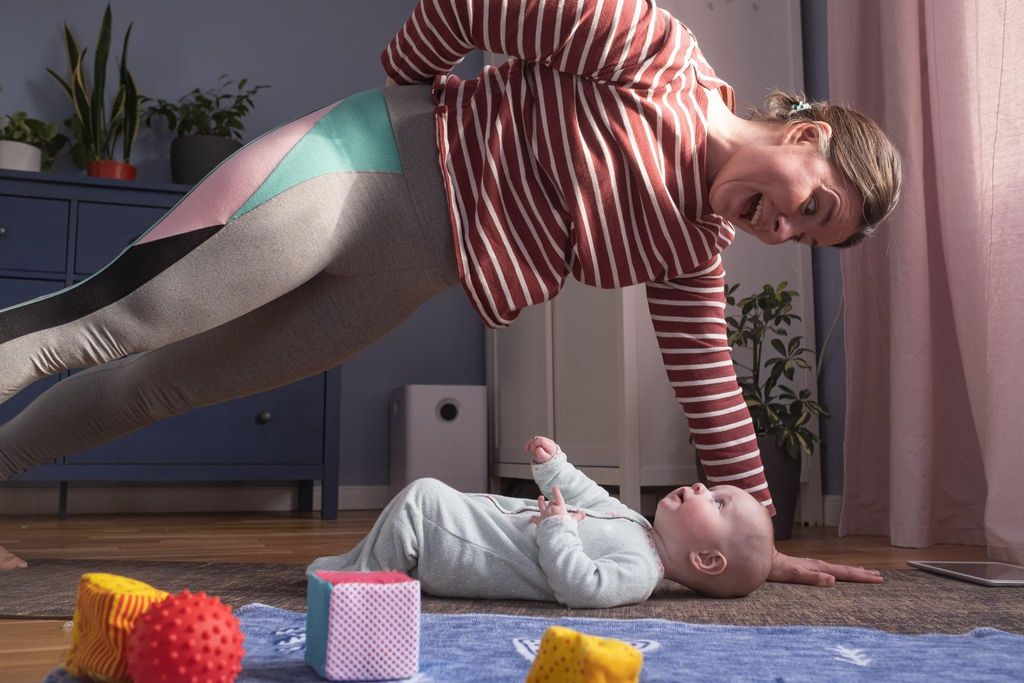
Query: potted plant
pixel 207 125
pixel 96 135
pixel 28 144
pixel 781 416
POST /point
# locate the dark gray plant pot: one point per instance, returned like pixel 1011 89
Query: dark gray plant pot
pixel 194 156
pixel 783 475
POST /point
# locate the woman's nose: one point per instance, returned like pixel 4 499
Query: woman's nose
pixel 784 229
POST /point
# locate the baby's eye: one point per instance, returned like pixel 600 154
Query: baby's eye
pixel 811 206
pixel 720 503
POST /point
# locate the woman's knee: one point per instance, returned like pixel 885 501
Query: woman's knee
pixel 139 398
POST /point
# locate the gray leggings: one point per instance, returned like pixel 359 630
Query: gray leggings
pixel 278 293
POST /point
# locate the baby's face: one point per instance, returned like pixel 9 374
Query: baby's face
pixel 693 518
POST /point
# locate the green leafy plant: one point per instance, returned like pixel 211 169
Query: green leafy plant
pixel 776 410
pixel 216 111
pixel 96 135
pixel 18 127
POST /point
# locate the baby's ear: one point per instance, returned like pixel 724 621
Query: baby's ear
pixel 710 562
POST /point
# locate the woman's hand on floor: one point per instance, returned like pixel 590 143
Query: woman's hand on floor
pixel 805 570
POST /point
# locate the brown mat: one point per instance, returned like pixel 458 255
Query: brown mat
pixel 909 601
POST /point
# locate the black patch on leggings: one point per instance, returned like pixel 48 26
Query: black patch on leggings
pixel 139 264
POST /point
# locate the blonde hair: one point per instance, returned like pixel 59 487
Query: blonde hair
pixel 857 147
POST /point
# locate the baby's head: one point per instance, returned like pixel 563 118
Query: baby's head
pixel 716 541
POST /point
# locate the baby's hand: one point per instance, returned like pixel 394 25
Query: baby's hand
pixel 543 449
pixel 555 508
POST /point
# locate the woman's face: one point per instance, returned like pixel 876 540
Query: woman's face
pixel 787 192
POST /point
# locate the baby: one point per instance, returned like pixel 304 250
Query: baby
pixel 575 544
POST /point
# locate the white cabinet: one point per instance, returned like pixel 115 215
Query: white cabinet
pixel 585 370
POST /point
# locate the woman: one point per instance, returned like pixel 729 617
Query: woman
pixel 606 148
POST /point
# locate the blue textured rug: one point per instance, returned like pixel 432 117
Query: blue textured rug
pixel 487 647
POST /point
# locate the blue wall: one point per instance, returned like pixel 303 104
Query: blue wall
pixel 828 279
pixel 311 53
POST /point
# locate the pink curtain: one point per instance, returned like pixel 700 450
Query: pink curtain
pixel 935 303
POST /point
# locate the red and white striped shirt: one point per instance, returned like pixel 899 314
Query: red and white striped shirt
pixel 585 153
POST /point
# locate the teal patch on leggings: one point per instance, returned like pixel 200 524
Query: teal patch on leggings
pixel 354 136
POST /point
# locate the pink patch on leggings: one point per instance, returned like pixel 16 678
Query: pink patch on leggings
pixel 229 186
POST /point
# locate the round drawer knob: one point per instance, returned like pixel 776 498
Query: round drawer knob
pixel 263 418
pixel 3 231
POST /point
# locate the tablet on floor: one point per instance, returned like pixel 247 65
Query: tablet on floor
pixel 985 573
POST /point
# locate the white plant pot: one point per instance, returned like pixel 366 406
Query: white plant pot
pixel 18 156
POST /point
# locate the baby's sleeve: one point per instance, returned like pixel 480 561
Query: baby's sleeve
pixel 577 488
pixel 621 578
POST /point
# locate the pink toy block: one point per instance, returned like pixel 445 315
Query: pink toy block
pixel 370 629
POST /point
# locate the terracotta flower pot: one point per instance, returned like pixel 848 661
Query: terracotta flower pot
pixel 106 168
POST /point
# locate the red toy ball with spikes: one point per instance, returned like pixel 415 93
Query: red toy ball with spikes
pixel 185 637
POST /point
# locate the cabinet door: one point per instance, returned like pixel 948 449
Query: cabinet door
pixel 587 364
pixel 280 427
pixel 105 230
pixel 12 292
pixel 520 377
pixel 33 234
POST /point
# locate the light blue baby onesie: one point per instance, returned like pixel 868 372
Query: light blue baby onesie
pixel 484 546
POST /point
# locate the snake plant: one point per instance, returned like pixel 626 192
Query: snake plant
pixel 96 135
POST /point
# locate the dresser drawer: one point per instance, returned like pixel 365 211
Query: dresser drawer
pixel 105 230
pixel 284 426
pixel 34 234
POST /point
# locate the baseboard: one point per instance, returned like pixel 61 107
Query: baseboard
pixel 98 499
pixel 833 505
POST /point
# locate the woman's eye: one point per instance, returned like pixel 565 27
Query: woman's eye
pixel 811 206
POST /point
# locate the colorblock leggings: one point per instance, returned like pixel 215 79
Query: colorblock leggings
pixel 302 248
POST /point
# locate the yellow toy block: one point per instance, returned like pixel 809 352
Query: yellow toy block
pixel 568 656
pixel 105 614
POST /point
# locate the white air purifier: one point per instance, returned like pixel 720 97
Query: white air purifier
pixel 439 431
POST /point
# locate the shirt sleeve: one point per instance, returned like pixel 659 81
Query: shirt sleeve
pixel 627 42
pixel 689 321
pixel 577 488
pixel 621 578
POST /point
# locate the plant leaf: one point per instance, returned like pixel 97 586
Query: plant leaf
pixel 99 81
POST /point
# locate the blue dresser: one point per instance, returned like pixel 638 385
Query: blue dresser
pixel 57 230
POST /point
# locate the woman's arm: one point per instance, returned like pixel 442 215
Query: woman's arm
pixel 628 41
pixel 689 321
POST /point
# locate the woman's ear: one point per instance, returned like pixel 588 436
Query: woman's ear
pixel 808 131
pixel 710 562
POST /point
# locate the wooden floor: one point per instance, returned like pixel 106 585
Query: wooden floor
pixel 28 649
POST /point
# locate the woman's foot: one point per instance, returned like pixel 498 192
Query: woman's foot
pixel 9 561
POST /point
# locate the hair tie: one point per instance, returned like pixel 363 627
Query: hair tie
pixel 800 106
